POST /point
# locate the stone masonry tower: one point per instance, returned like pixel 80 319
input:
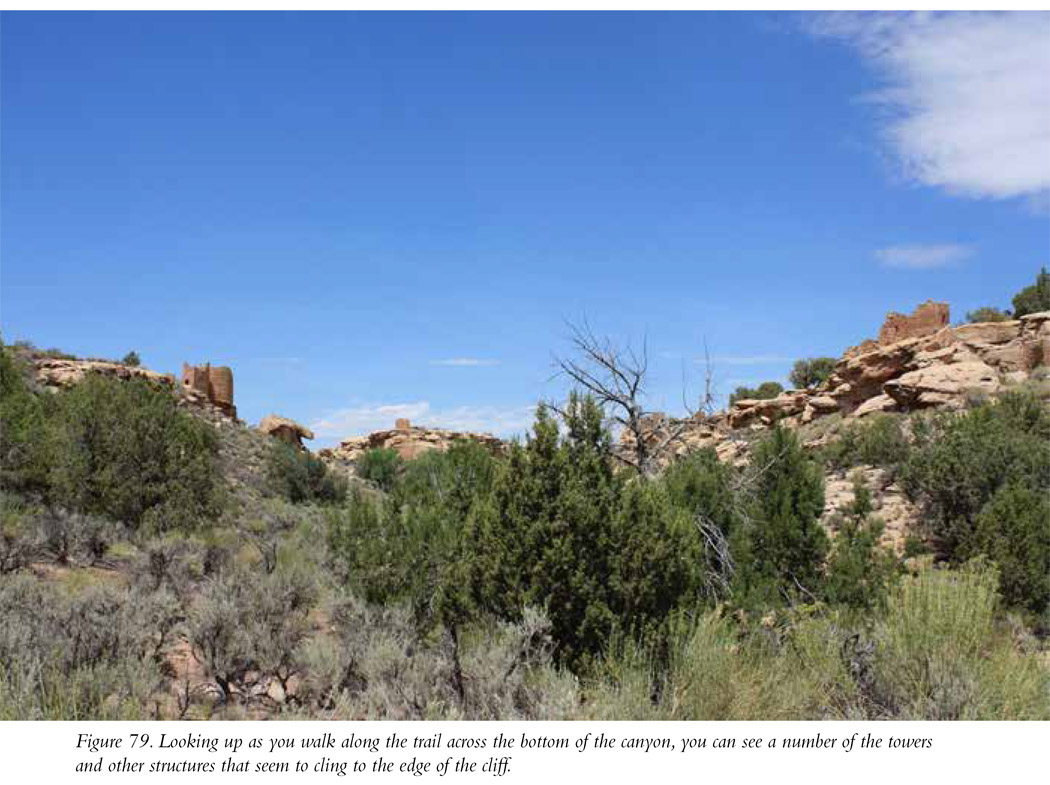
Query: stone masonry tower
pixel 215 384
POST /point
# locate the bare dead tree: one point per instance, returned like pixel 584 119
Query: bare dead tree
pixel 721 568
pixel 615 376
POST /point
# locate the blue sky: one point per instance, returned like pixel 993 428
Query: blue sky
pixel 374 215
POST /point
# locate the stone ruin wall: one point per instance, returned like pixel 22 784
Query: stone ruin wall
pixel 926 319
pixel 213 383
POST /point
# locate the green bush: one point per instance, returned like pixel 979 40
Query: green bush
pixel 811 372
pixel 940 654
pixel 409 546
pixel 301 477
pixel 877 440
pixel 411 555
pixel 780 553
pixel 380 466
pixel 122 449
pixel 23 415
pixel 987 314
pixel 961 461
pixel 1013 530
pixel 1034 298
pixel 859 571
pixel 132 358
pixel 936 652
pixel 602 551
pixel 763 391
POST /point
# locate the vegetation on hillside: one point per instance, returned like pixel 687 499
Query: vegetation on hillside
pixel 763 391
pixel 546 582
pixel 811 372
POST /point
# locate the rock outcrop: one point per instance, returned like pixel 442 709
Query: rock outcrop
pixel 53 374
pixel 406 440
pixel 926 319
pixel 889 503
pixel 929 367
pixel 286 430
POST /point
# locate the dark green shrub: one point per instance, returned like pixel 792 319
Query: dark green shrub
pixel 455 478
pixel 877 440
pixel 380 466
pixel 959 462
pixel 301 477
pixel 408 546
pixel 132 358
pixel 780 552
pixel 811 372
pixel 23 414
pixel 914 546
pixel 604 552
pixel 1013 530
pixel 411 553
pixel 763 391
pixel 546 538
pixel 987 314
pixel 859 571
pixel 122 449
pixel 1034 298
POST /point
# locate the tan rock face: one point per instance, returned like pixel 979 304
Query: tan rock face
pixel 406 440
pixel 55 374
pixel 933 365
pixel 941 385
pixel 898 515
pixel 769 410
pixel 284 429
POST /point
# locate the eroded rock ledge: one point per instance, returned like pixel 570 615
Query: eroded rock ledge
pixel 933 366
pixel 407 440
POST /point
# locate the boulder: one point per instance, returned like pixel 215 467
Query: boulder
pixel 880 403
pixel 942 385
pixel 284 429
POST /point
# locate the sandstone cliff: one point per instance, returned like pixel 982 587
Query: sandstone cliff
pixel 932 366
pixel 406 440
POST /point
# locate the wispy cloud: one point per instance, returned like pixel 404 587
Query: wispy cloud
pixel 464 362
pixel 966 96
pixel 360 420
pixel 758 359
pixel 922 257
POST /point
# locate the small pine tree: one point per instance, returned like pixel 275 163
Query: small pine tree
pixel 859 571
pixel 132 359
pixel 763 391
pixel 811 372
pixel 1034 298
pixel 380 466
pixel 780 554
pixel 987 314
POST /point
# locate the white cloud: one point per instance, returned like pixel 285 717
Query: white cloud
pixel 922 257
pixel 464 362
pixel 361 420
pixel 967 96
